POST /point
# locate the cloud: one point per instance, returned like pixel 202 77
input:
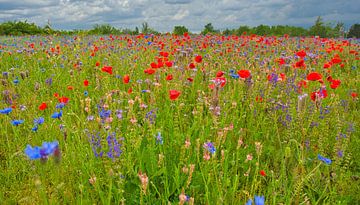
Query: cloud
pixel 163 15
pixel 178 1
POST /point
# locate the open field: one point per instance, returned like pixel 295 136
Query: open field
pixel 179 120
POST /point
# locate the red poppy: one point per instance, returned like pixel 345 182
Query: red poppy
pixel 244 73
pixel 64 100
pixel 86 83
pixel 43 106
pixel 301 54
pixel 126 79
pixel 168 63
pixel 70 87
pixel 219 74
pixel 302 83
pixel 149 71
pixel 174 94
pixel 354 95
pixel 56 95
pixel 262 173
pixel 281 61
pixel 259 99
pixel 164 54
pixel 317 94
pixel 198 59
pixel 190 80
pixel 221 81
pixel 335 84
pixel 107 69
pixel 130 90
pixel 314 76
pixel 300 64
pixel 191 65
pixel 97 64
pixel 327 65
pixel 154 65
pixel 169 77
pixel 282 76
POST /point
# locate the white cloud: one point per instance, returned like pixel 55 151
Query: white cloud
pixel 163 15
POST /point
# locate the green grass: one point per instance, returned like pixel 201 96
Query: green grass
pixel 287 150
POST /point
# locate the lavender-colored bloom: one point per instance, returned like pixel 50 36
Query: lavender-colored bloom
pixel 119 114
pixel 325 160
pixel 90 118
pixel 95 142
pixel 340 153
pixel 114 146
pixel 6 110
pixel 49 81
pixel 151 116
pixel 159 139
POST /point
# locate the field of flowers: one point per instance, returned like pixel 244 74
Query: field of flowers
pixel 179 120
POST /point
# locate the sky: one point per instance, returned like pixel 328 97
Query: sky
pixel 163 15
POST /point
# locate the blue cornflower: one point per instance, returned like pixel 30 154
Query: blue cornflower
pixel 159 139
pixel 259 200
pixel 209 146
pixel 6 110
pixel 39 121
pixel 32 153
pixel 57 114
pixel 35 128
pixel 86 93
pixel 16 81
pixel 104 113
pixel 325 160
pixel 60 106
pixel 235 76
pixel 249 202
pixel 47 149
pixel 17 122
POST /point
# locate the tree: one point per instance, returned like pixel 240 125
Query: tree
pixel 180 30
pixel 242 30
pixel 209 28
pixel 318 29
pixel 354 31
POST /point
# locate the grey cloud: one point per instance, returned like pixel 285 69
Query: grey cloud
pixel 163 15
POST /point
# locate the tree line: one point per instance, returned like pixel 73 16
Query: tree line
pixel 320 28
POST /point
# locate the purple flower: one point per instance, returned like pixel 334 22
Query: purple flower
pixel 159 139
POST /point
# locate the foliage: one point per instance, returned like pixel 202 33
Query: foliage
pixel 354 31
pixel 320 28
pixel 209 29
pixel 180 30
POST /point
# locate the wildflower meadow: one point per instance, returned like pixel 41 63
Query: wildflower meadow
pixel 179 119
